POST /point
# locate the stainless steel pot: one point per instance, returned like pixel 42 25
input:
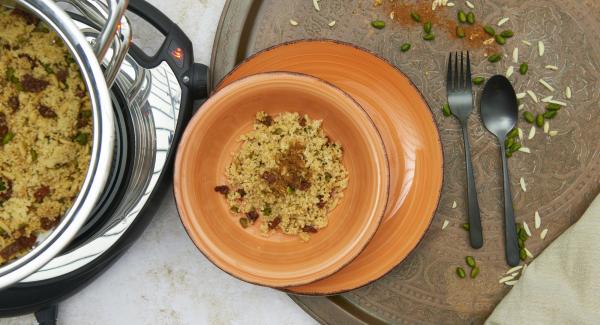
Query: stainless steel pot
pixel 110 46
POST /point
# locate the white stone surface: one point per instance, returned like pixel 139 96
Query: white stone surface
pixel 163 279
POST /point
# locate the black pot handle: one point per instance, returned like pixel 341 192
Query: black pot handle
pixel 47 316
pixel 176 50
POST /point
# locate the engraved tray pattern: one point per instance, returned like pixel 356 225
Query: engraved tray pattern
pixel 562 172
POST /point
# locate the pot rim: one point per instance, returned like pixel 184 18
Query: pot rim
pixel 102 145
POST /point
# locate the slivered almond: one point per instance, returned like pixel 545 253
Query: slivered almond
pixel 525 150
pixel 546 99
pixel 489 41
pixel 446 223
pixel 503 21
pixel 510 71
pixel 568 92
pixel 511 283
pixel 533 96
pixel 515 55
pixel 514 269
pixel 531 133
pixel 529 254
pixel 553 133
pixel 558 102
pixel 538 220
pixel 528 43
pixel 547 85
pixel 293 22
pixel 541 48
pixel 520 132
pixel 526 227
pixel 523 185
pixel 521 95
pixel 506 278
pixel 546 127
pixel 316 5
pixel 544 233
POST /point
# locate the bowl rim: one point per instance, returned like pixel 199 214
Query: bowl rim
pixel 386 176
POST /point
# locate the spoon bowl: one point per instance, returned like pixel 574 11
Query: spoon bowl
pixel 499 107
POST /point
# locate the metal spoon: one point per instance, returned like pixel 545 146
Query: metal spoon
pixel 499 112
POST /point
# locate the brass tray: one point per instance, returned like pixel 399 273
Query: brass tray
pixel 562 172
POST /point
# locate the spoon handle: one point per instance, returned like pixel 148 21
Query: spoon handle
pixel 475 231
pixel 512 247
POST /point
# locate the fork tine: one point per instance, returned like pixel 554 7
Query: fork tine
pixel 462 71
pixel 449 84
pixel 456 74
pixel 468 75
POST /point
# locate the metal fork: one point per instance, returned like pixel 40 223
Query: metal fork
pixel 460 99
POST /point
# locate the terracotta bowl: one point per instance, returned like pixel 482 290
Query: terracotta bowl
pixel 205 152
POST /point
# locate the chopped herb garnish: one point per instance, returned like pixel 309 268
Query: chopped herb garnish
pixel 48 68
pixel 523 68
pixel 41 28
pixel 471 18
pixel 379 24
pixel 7 137
pixel 474 272
pixel 478 80
pixel 495 58
pixel 489 30
pixel 446 110
pixel 10 75
pixel 500 40
pixel 528 117
pixel 267 210
pixel 415 16
pixel 539 120
pixel 427 27
pixel 69 59
pixel 470 261
pixel 507 33
pixel 462 16
pixel 81 138
pixel 429 37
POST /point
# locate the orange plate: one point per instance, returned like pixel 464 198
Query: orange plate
pixel 205 152
pixel 408 131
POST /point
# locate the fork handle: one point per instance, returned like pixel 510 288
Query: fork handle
pixel 512 246
pixel 475 231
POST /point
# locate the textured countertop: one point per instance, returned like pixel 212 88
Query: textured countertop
pixel 163 279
